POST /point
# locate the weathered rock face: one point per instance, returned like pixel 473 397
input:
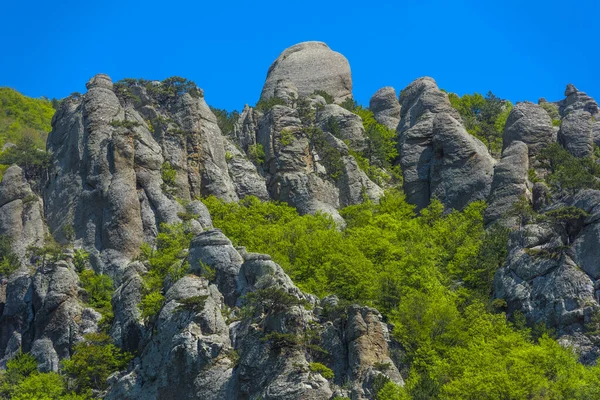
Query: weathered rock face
pixel 577 100
pixel 205 356
pixel 438 157
pixel 123 155
pixel 576 134
pixel 510 183
pixel 311 66
pixel 386 107
pixel 21 213
pixel 345 124
pixel 43 314
pixel 529 123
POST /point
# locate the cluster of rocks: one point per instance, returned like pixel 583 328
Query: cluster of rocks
pixel 128 157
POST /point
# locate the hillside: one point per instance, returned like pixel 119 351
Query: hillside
pixel 426 246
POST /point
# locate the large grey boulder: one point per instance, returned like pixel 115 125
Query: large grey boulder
pixel 509 183
pixel 386 107
pixel 311 66
pixel 246 179
pixel 529 123
pixel 437 155
pixel 576 134
pixel 21 213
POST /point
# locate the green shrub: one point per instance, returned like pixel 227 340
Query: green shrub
pixel 81 260
pixel 228 156
pixel 567 172
pixel 266 105
pixel 483 117
pixel 319 368
pixel 168 173
pixel 151 304
pixel 225 119
pixel 9 262
pixel 274 299
pixel 256 153
pixel 282 340
pixel 28 156
pixel 328 98
pixel 93 360
pixel 349 104
pixel 129 125
pixel 287 137
pixel 99 289
pixel 331 157
pixel 194 304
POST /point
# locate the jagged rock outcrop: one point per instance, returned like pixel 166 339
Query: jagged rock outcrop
pixel 124 154
pixel 510 183
pixel 21 213
pixel 207 356
pixel 386 107
pixel 438 157
pixel 577 100
pixel 244 129
pixel 311 66
pixel 343 124
pixel 529 123
pixel 43 314
pixel 576 134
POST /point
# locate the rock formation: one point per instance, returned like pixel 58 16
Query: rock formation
pixel 386 107
pixel 438 157
pixel 311 66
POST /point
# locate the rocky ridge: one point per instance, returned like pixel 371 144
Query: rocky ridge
pixel 132 155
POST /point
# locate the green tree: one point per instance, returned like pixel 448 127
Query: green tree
pixel 93 360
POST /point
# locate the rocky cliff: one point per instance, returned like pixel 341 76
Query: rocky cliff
pixel 132 155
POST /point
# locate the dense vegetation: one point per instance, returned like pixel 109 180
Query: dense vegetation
pixel 24 121
pixel 430 274
pixel 483 117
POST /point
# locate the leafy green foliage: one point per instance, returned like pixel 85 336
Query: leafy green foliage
pixel 127 124
pixel 381 144
pixel 225 119
pixel 319 368
pixel 24 117
pixel 287 137
pixel 331 157
pixel 165 260
pixel 99 289
pixel 9 262
pixel 28 156
pixel 266 105
pixel 274 300
pixel 431 276
pixel 256 153
pixel 567 172
pixel 552 110
pixel 168 173
pixel 22 381
pixel 328 98
pixel 483 117
pixel 93 361
pixel 193 304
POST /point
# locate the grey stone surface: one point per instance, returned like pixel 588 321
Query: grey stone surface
pixel 386 107
pixel 438 157
pixel 576 134
pixel 530 124
pixel 311 66
pixel 509 184
pixel 21 213
pixel 349 125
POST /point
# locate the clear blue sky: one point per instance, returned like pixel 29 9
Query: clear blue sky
pixel 521 50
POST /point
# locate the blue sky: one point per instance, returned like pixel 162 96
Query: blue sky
pixel 521 50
